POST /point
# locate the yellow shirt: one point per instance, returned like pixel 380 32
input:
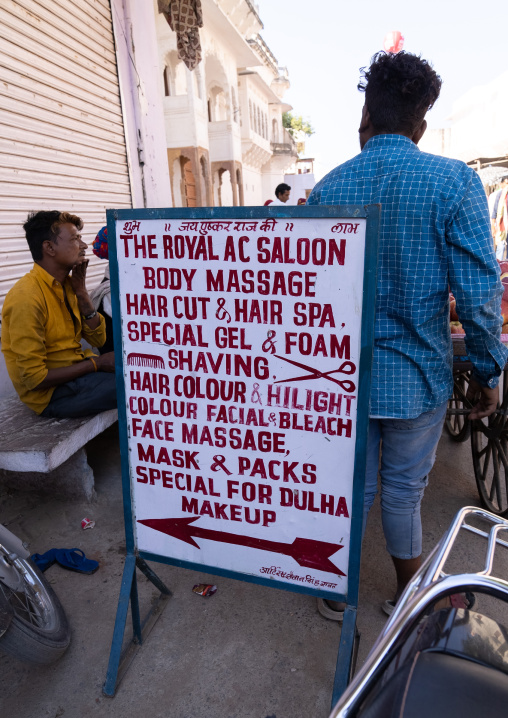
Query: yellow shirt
pixel 39 333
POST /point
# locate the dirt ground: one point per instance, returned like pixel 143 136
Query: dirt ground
pixel 246 652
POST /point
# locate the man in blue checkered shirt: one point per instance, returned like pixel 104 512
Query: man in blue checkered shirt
pixel 434 235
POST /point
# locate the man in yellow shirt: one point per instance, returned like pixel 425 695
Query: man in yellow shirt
pixel 44 317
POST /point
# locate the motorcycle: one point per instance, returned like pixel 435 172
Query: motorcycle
pixel 434 658
pixel 33 625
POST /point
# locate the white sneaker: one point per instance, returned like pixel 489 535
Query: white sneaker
pixel 328 611
pixel 388 606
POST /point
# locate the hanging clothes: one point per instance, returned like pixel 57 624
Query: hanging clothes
pixel 501 227
pixel 185 17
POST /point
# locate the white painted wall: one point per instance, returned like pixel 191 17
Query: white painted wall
pixel 139 77
pixel 436 141
pixel 479 121
pixel 252 187
pixel 299 184
pixel 269 182
pixel 478 126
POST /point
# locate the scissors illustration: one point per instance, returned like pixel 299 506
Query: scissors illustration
pixel 346 367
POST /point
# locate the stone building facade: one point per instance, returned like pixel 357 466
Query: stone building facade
pixel 225 141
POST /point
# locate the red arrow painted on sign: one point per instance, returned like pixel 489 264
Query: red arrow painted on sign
pixel 306 552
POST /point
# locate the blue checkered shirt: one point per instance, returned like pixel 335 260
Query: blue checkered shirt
pixel 434 234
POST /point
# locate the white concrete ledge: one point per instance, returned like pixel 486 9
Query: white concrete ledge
pixel 31 443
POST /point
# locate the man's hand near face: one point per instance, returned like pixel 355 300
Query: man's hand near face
pixel 78 282
pixel 78 276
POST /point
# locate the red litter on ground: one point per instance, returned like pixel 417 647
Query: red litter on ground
pixel 87 524
pixel 204 589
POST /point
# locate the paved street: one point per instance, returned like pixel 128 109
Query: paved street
pixel 247 652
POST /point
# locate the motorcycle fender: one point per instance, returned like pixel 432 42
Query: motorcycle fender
pixel 12 543
pixel 6 614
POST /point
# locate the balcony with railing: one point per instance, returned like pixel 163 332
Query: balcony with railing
pixel 255 149
pixel 243 14
pixel 263 51
pixel 286 147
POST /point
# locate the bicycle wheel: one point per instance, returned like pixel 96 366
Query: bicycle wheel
pixel 39 631
pixel 489 446
pixel 457 424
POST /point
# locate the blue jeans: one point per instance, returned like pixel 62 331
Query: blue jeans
pixel 85 396
pixel 408 450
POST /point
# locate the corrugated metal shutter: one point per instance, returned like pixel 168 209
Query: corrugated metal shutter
pixel 62 142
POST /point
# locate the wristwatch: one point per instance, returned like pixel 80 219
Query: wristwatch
pixel 91 315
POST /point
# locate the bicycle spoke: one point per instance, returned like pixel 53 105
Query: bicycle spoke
pixel 455 418
pixel 496 486
pixel 502 452
pixel 504 460
pixel 487 449
pixel 486 465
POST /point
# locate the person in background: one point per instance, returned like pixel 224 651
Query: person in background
pixel 101 295
pixel 494 199
pixel 282 192
pixel 499 217
pixel 45 316
pixel 301 201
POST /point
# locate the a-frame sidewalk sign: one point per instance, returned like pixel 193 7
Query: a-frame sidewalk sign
pixel 243 348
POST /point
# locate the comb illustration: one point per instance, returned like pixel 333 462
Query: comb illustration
pixel 151 360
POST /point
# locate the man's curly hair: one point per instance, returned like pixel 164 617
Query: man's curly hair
pixel 399 90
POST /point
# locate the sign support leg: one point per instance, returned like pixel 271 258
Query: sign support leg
pixel 346 658
pixel 119 661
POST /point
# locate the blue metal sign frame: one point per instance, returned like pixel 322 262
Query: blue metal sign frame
pixel 136 558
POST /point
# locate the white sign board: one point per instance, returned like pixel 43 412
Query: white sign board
pixel 241 346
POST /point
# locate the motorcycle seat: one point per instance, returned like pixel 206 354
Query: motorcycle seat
pixel 440 685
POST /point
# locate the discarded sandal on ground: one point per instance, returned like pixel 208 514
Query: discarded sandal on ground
pixel 74 559
pixel 44 560
pixel 333 614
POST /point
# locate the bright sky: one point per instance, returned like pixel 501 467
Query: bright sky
pixel 323 43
